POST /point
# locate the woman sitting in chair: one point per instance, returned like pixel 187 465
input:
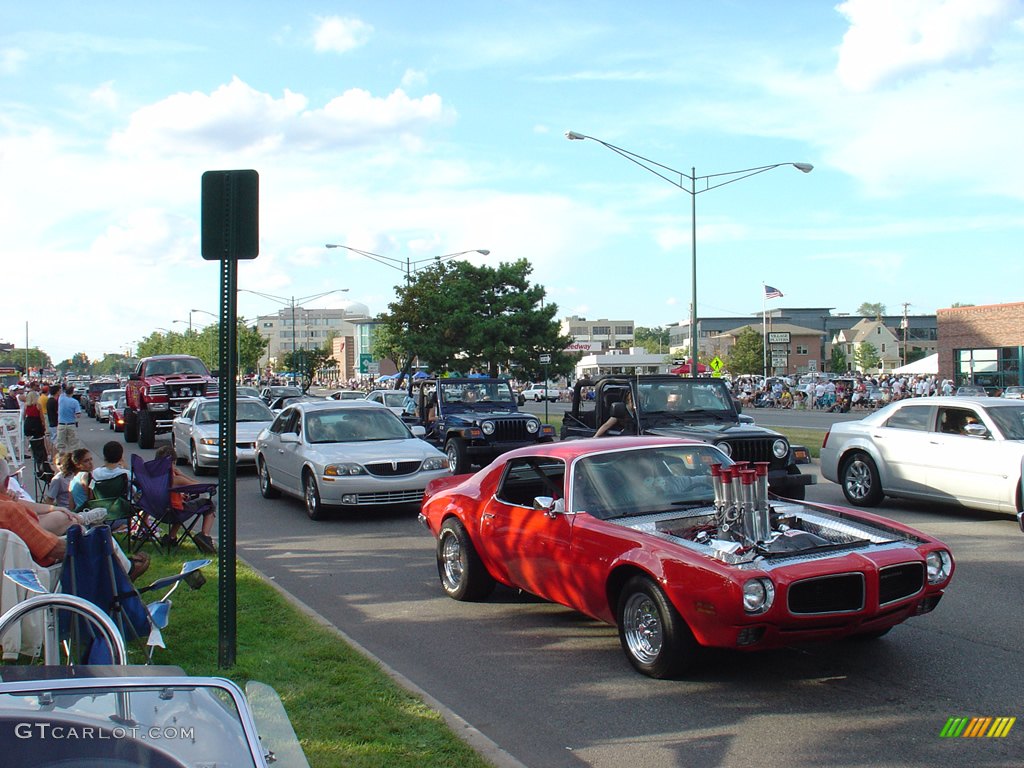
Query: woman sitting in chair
pixel 204 541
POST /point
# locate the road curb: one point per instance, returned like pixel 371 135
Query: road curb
pixel 486 748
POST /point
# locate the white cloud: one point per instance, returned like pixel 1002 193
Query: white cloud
pixel 11 60
pixel 414 78
pixel 889 40
pixel 238 118
pixel 337 34
pixel 105 96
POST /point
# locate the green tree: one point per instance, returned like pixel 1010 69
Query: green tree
pixel 838 360
pixel 747 354
pixel 305 363
pixel 16 358
pixel 654 340
pixel 456 316
pixel 251 346
pixel 865 357
pixel 869 309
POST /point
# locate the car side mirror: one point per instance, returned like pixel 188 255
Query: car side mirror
pixel 975 430
pixel 290 437
pixel 549 505
pixel 618 410
pixel 418 430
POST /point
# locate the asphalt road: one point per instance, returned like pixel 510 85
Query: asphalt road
pixel 553 688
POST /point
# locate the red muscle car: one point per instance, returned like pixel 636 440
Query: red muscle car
pixel 678 546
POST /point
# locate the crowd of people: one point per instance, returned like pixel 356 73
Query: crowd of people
pixel 843 394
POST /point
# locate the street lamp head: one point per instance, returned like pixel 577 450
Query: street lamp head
pixel 805 167
pixel 483 251
pixel 573 136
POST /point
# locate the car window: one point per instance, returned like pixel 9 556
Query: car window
pixel 953 420
pixel 284 422
pixel 910 417
pixel 1010 421
pixel 529 477
pixel 354 425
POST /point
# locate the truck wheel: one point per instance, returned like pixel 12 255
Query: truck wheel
pixel 458 456
pixel 131 426
pixel 147 430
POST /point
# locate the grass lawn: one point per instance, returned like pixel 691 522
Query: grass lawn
pixel 809 438
pixel 345 710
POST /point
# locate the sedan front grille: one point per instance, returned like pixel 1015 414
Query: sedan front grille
pixel 827 594
pixel 899 581
pixel 393 468
pixel 389 497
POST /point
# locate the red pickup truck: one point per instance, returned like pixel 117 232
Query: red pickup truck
pixel 158 390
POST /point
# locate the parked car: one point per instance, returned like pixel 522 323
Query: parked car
pixel 1013 393
pixel 347 394
pixel 247 392
pixel 115 417
pixel 271 393
pixel 278 404
pixel 971 391
pixel 394 399
pixel 195 435
pixel 108 399
pixel 540 392
pixel 347 453
pixel 964 451
pixel 649 534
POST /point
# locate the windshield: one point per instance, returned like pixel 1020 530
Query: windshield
pixel 209 413
pixel 685 396
pixel 394 399
pixel 1010 421
pixel 186 365
pixel 471 393
pixel 281 391
pixel 354 425
pixel 112 395
pixel 642 481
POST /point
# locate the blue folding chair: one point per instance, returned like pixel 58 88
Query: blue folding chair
pixel 152 503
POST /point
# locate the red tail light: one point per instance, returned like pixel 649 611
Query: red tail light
pixel 824 442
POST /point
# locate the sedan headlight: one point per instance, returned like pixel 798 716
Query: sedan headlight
pixel 532 426
pixel 435 463
pixel 940 565
pixel 209 441
pixel 780 448
pixel 758 595
pixel 487 427
pixel 345 469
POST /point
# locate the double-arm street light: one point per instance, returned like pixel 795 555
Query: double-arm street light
pixel 292 301
pixel 409 266
pixel 708 182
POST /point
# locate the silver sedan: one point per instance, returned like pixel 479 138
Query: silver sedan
pixel 195 434
pixel 962 450
pixel 347 453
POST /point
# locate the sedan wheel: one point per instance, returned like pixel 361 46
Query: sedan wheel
pixel 267 489
pixel 311 495
pixel 656 639
pixel 861 483
pixel 197 468
pixel 463 574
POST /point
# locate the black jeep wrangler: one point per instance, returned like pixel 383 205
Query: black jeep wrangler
pixel 473 419
pixel 700 409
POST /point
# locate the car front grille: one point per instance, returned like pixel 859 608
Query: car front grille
pixel 828 594
pixel 392 468
pixel 899 581
pixel 506 430
pixel 758 449
pixel 390 497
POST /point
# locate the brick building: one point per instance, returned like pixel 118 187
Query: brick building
pixel 982 345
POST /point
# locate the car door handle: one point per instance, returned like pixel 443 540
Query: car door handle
pixel 487 516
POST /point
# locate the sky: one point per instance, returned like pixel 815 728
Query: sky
pixel 414 130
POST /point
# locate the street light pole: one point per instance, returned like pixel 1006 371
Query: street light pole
pixel 710 181
pixel 411 266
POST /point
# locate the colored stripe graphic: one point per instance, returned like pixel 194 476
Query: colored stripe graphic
pixel 976 727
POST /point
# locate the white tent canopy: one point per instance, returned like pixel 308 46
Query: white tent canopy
pixel 925 366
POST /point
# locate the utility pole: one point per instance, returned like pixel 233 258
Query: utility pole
pixel 904 324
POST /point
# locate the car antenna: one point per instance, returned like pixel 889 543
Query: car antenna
pixel 636 401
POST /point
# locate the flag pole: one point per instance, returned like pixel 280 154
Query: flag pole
pixel 764 330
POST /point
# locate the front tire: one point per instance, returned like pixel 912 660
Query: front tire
pixel 131 426
pixel 861 484
pixel 147 430
pixel 267 489
pixel 311 495
pixel 193 457
pixel 655 638
pixel 458 456
pixel 463 575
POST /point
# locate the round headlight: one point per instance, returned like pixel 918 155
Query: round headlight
pixel 780 448
pixel 938 562
pixel 487 427
pixel 532 426
pixel 724 448
pixel 758 595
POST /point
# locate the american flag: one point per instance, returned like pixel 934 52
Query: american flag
pixel 772 293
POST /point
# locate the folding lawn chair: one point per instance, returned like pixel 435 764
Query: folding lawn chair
pixel 152 505
pixel 112 495
pixel 43 470
pixel 93 572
